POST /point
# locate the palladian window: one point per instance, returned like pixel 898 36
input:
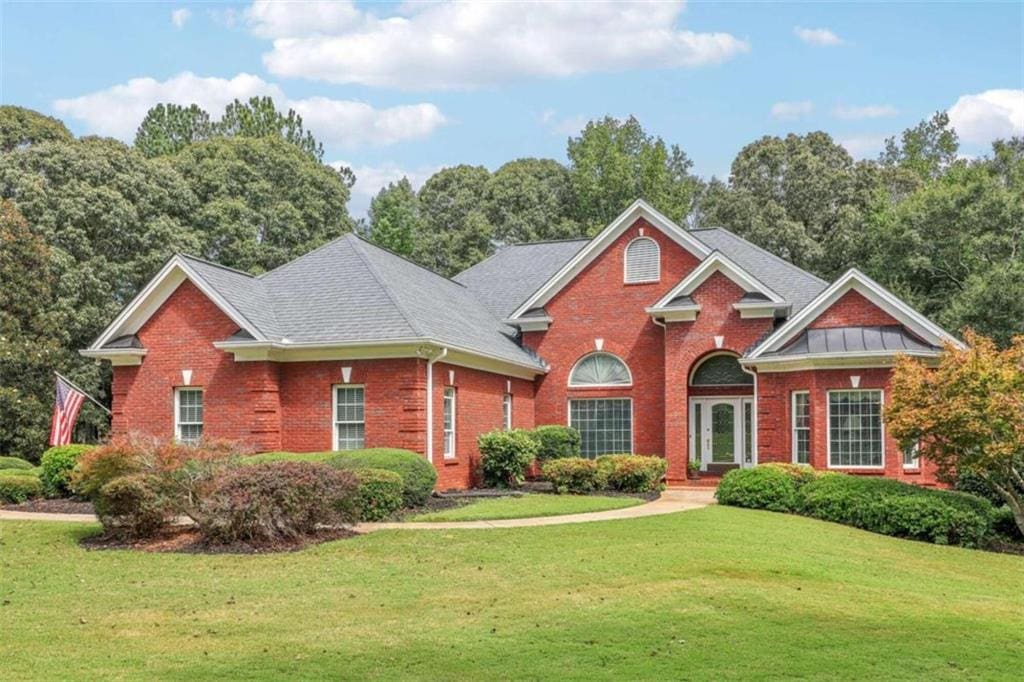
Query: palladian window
pixel 600 369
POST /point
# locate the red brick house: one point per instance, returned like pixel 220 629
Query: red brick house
pixel 648 338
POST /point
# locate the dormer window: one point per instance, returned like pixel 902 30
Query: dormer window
pixel 643 261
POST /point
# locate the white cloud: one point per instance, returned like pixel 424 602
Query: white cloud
pixel 790 111
pixel 822 37
pixel 352 124
pixel 465 45
pixel 118 111
pixel 371 179
pixel 867 111
pixel 986 116
pixel 864 146
pixel 567 125
pixel 180 16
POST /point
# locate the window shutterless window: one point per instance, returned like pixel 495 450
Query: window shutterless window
pixel 506 409
pixel 855 437
pixel 801 427
pixel 188 414
pixel 349 418
pixel 911 460
pixel 449 423
pixel 605 425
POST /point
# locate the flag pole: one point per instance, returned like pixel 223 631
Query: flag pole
pixel 77 388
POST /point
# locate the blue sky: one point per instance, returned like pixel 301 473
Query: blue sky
pixel 402 88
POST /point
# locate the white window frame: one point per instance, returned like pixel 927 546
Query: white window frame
pixel 448 447
pixel 506 411
pixel 625 262
pixel 335 441
pixel 572 371
pixel 793 427
pixel 881 420
pixel 916 450
pixel 177 413
pixel 632 420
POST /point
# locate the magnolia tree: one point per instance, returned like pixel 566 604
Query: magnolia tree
pixel 967 414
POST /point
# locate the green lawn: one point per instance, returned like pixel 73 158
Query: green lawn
pixel 527 506
pixel 718 593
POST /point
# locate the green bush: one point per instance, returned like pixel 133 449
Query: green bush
pixel 267 502
pixel 761 487
pixel 58 464
pixel 134 506
pixel 555 441
pixel 14 463
pixel 1005 525
pixel 800 473
pixel 264 457
pixel 33 472
pixel 505 455
pixel 418 475
pixel 632 473
pixel 19 488
pixel 574 475
pixel 899 509
pixel 380 493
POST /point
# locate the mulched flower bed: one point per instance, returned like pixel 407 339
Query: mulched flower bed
pixel 58 506
pixel 186 540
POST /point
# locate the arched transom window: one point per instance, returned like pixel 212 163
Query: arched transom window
pixel 600 369
pixel 643 261
pixel 720 370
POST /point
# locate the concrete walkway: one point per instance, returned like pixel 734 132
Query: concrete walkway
pixel 671 501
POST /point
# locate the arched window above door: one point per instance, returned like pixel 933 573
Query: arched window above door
pixel 600 369
pixel 722 369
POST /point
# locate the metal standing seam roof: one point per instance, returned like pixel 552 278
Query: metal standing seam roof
pixel 847 340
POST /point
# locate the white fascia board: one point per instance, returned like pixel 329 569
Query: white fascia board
pixel 855 280
pixel 677 313
pixel 156 292
pixel 761 309
pixel 719 262
pixel 638 209
pixel 530 324
pixel 117 356
pixel 283 351
pixel 864 360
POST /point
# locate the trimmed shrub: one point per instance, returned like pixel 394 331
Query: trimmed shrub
pixel 263 457
pixel 418 475
pixel 33 472
pixel 134 506
pixel 14 463
pixel 761 487
pixel 632 473
pixel 100 466
pixel 380 493
pixel 276 500
pixel 800 473
pixel 505 455
pixel 19 488
pixel 1005 525
pixel 58 463
pixel 574 475
pixel 555 441
pixel 899 509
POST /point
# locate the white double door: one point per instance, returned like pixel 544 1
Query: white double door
pixel 721 431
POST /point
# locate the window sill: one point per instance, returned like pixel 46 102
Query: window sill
pixel 912 471
pixel 450 461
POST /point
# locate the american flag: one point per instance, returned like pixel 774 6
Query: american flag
pixel 65 412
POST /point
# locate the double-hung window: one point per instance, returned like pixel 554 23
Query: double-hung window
pixel 349 417
pixel 801 427
pixel 855 437
pixel 605 425
pixel 506 411
pixel 911 458
pixel 449 422
pixel 188 414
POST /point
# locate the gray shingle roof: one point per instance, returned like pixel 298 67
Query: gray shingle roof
pixel 506 279
pixel 350 290
pixel 798 287
pixel 843 340
pixel 243 291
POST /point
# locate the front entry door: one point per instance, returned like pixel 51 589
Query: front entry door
pixel 717 433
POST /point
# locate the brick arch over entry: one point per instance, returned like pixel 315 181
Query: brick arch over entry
pixel 722 389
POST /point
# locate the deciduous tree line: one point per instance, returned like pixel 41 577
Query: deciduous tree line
pixel 85 222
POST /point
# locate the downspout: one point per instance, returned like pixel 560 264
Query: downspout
pixel 755 408
pixel 430 402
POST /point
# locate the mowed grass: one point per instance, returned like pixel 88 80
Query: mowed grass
pixel 718 593
pixel 528 506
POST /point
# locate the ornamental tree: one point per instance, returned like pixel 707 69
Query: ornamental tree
pixel 967 414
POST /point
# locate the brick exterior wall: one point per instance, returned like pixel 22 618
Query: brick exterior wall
pixel 288 406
